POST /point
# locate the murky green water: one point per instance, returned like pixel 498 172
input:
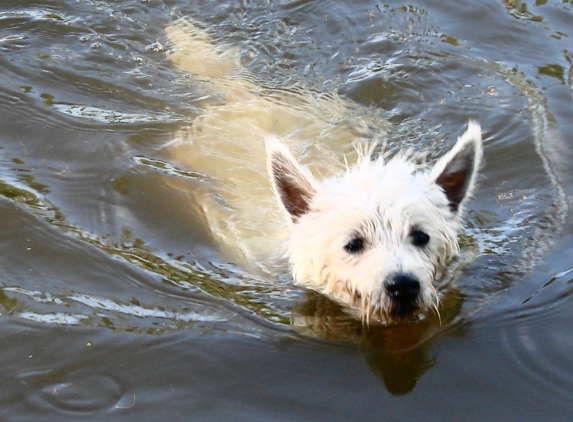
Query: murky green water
pixel 116 299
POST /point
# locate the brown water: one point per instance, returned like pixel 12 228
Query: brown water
pixel 116 303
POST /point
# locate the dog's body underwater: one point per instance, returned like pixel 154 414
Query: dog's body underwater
pixel 374 236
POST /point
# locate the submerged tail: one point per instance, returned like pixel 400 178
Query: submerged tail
pixel 193 51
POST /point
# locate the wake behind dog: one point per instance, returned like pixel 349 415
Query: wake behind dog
pixel 375 236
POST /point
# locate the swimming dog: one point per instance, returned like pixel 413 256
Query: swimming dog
pixel 374 236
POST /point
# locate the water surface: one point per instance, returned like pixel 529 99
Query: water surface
pixel 116 300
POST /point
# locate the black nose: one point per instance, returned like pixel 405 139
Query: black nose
pixel 403 288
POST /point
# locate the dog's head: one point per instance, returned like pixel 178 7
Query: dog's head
pixel 376 237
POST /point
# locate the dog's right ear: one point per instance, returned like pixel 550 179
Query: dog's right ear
pixel 456 171
pixel 293 185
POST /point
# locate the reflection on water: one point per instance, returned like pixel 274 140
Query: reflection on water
pixel 399 355
pixel 102 230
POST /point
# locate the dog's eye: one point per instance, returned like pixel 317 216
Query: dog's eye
pixel 419 238
pixel 356 245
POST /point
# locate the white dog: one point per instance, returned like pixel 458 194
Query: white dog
pixel 376 236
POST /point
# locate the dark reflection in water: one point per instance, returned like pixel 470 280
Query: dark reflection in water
pixel 399 354
pixel 399 370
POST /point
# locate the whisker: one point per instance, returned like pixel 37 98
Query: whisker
pixel 436 310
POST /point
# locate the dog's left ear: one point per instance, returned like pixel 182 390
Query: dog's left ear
pixel 292 184
pixel 456 171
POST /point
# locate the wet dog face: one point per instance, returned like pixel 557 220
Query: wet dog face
pixel 376 237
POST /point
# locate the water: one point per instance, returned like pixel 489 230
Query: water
pixel 117 300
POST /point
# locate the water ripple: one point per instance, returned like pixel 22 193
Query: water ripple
pixel 75 390
pixel 109 116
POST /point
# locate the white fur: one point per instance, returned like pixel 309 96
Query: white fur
pixel 381 201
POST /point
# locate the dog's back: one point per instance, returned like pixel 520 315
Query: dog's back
pixel 226 141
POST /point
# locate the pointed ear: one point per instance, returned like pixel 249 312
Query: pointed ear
pixel 292 185
pixel 456 171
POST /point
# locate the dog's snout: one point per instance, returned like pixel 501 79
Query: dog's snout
pixel 403 288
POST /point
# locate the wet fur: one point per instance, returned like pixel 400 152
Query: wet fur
pixel 381 202
pixel 385 202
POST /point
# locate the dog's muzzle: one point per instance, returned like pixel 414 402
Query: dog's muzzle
pixel 403 291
